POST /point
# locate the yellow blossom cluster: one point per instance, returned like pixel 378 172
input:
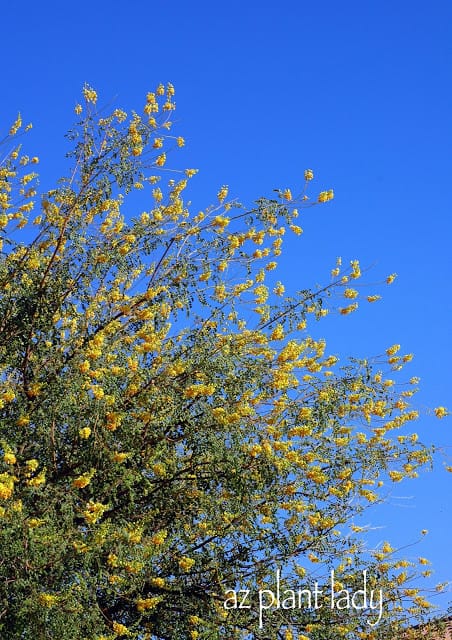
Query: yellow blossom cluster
pixel 325 196
pixel 89 94
pixel 94 511
pixel 186 563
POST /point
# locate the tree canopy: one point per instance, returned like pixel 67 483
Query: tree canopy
pixel 175 445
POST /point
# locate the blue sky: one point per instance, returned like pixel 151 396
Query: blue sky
pixel 358 91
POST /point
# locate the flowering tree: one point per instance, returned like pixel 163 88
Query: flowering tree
pixel 175 446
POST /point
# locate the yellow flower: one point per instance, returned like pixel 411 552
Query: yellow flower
pixel 16 125
pixel 146 604
pixel 89 94
pixel 133 567
pixel 277 333
pixel 84 433
pixel 113 421
pixel 83 481
pixel 23 421
pixel 120 456
pixel 386 548
pixel 47 600
pixel 112 560
pixel 38 480
pixel 120 629
pixel 296 229
pixel 440 412
pixel 390 279
pixel 6 490
pixel 308 174
pixel 84 367
pixel 369 495
pixel 157 582
pixel 223 193
pixel 305 413
pixel 392 350
pixel 346 310
pixel 255 450
pixel 356 271
pixel 94 511
pixel 159 537
pixel 9 458
pixel 160 160
pixel 195 390
pixel 261 293
pixel 134 535
pixel 159 469
pixel 324 196
pixel 8 396
pixel 98 392
pixel 35 522
pixel 221 222
pixel 32 465
pixel 186 563
pixel 78 109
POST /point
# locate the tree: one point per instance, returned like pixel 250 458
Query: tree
pixel 174 442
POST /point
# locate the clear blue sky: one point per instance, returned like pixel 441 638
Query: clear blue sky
pixel 359 91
